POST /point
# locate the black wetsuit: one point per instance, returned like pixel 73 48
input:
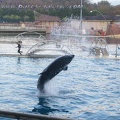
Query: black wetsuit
pixel 19 47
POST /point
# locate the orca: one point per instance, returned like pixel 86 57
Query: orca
pixel 59 64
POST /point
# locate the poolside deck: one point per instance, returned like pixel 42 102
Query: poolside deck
pixel 29 56
pixel 9 48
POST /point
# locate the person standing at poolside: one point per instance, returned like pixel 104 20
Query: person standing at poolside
pixel 19 47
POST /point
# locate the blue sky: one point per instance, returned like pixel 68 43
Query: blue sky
pixel 112 2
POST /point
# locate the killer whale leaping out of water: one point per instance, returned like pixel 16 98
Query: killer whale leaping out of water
pixel 52 70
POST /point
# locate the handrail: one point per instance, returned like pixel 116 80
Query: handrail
pixel 27 116
pixel 20 27
pixel 44 42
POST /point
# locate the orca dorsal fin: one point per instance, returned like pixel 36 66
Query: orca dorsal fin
pixel 42 72
pixel 39 73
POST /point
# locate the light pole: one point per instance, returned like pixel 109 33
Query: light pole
pixel 110 28
pixel 81 16
pixel 99 13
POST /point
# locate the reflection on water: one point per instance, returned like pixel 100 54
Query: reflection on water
pixel 18 62
pixel 43 107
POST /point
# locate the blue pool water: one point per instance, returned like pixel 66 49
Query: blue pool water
pixel 88 90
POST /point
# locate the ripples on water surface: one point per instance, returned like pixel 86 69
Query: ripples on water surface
pixel 88 90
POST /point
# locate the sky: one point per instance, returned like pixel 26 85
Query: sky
pixel 112 2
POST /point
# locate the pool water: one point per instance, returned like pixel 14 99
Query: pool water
pixel 88 90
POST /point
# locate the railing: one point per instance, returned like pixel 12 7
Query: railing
pixel 28 116
pixel 22 26
pixel 41 46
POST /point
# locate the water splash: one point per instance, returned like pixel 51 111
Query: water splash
pixel 70 35
pixel 50 89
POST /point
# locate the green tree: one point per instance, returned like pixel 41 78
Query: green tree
pixel 105 7
pixel 26 18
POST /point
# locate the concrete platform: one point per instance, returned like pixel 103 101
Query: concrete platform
pixel 10 49
pixel 29 56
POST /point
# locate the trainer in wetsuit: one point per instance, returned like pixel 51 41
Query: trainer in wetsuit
pixel 19 47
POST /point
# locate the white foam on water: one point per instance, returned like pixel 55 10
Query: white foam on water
pixel 50 89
